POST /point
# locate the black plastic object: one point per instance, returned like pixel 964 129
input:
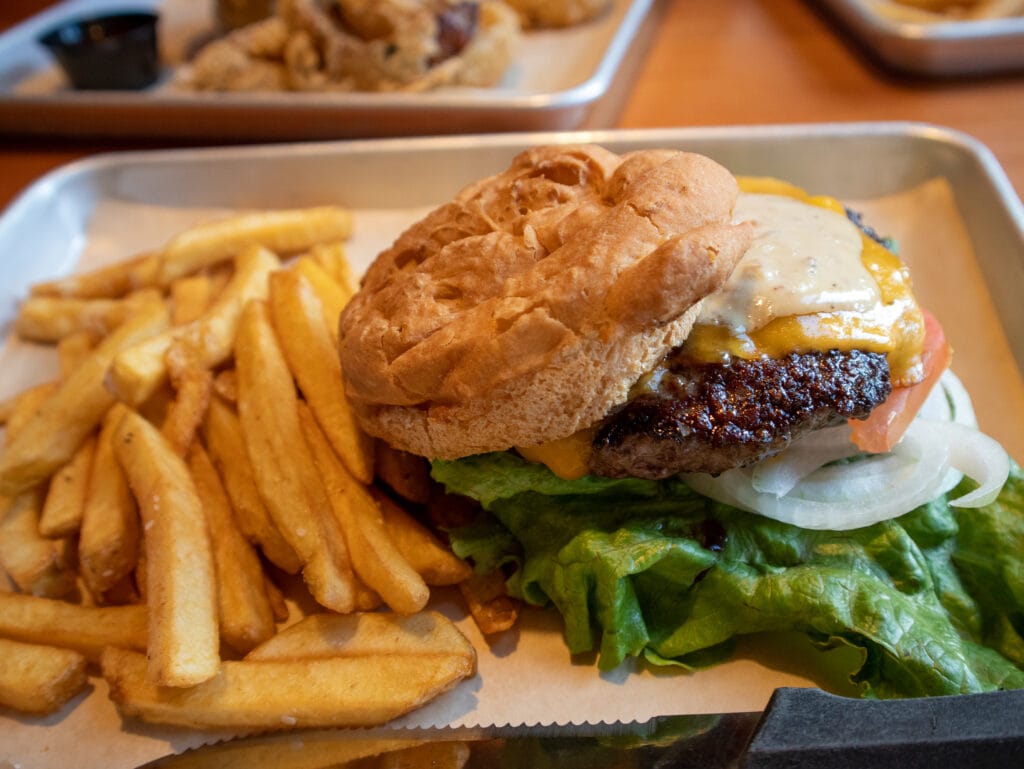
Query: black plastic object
pixel 808 728
pixel 116 51
pixel 800 729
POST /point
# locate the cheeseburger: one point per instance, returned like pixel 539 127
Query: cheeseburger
pixel 685 404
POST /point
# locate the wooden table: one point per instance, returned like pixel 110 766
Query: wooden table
pixel 713 62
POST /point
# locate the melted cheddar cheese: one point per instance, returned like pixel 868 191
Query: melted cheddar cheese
pixel 863 303
pixel 892 325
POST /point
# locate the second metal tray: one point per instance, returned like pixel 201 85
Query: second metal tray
pixel 939 49
pixel 560 79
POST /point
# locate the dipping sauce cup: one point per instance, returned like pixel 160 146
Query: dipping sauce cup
pixel 115 51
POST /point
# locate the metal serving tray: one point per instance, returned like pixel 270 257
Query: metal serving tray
pixel 561 79
pixel 973 287
pixel 849 161
pixel 940 49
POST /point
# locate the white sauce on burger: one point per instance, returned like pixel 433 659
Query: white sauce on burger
pixel 803 259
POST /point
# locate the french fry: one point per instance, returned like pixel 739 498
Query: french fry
pixel 186 412
pixel 243 608
pixel 109 541
pixel 492 609
pixel 226 443
pixel 72 349
pixel 65 498
pixel 190 296
pixel 284 232
pixel 332 257
pixel 338 691
pixel 53 435
pixel 283 466
pixel 109 282
pixel 136 372
pixel 38 566
pixel 49 319
pixel 278 605
pixel 180 587
pixel 365 634
pixel 39 679
pixel 7 408
pixel 297 315
pixel 333 296
pixel 376 560
pixel 156 407
pixel 420 546
pixel 86 629
pixel 25 406
pixel 225 384
pixel 17 409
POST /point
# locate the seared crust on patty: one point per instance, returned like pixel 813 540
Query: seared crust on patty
pixel 525 309
pixel 710 418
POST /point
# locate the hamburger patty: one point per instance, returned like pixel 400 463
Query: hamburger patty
pixel 713 417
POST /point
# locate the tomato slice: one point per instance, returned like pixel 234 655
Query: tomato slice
pixel 886 424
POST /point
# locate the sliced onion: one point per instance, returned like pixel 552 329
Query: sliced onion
pixel 803 486
pixel 959 400
pixel 973 454
pixel 914 472
pixel 779 474
pixel 949 402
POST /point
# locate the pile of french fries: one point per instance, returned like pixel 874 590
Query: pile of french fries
pixel 194 454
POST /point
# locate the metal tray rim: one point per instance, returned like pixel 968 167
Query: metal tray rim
pixel 553 103
pixel 920 130
pixel 943 49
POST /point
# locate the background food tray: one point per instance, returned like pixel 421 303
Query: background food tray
pixel 941 194
pixel 942 49
pixel 561 79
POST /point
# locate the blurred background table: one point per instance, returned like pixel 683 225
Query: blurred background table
pixel 709 62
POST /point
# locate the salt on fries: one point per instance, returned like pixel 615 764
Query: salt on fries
pixel 194 451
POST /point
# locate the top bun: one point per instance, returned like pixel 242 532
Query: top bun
pixel 526 308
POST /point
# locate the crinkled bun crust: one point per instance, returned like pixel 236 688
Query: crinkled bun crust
pixel 524 309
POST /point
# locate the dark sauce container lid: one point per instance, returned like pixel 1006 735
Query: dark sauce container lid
pixel 115 51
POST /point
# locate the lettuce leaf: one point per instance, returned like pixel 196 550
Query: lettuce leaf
pixel 934 600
